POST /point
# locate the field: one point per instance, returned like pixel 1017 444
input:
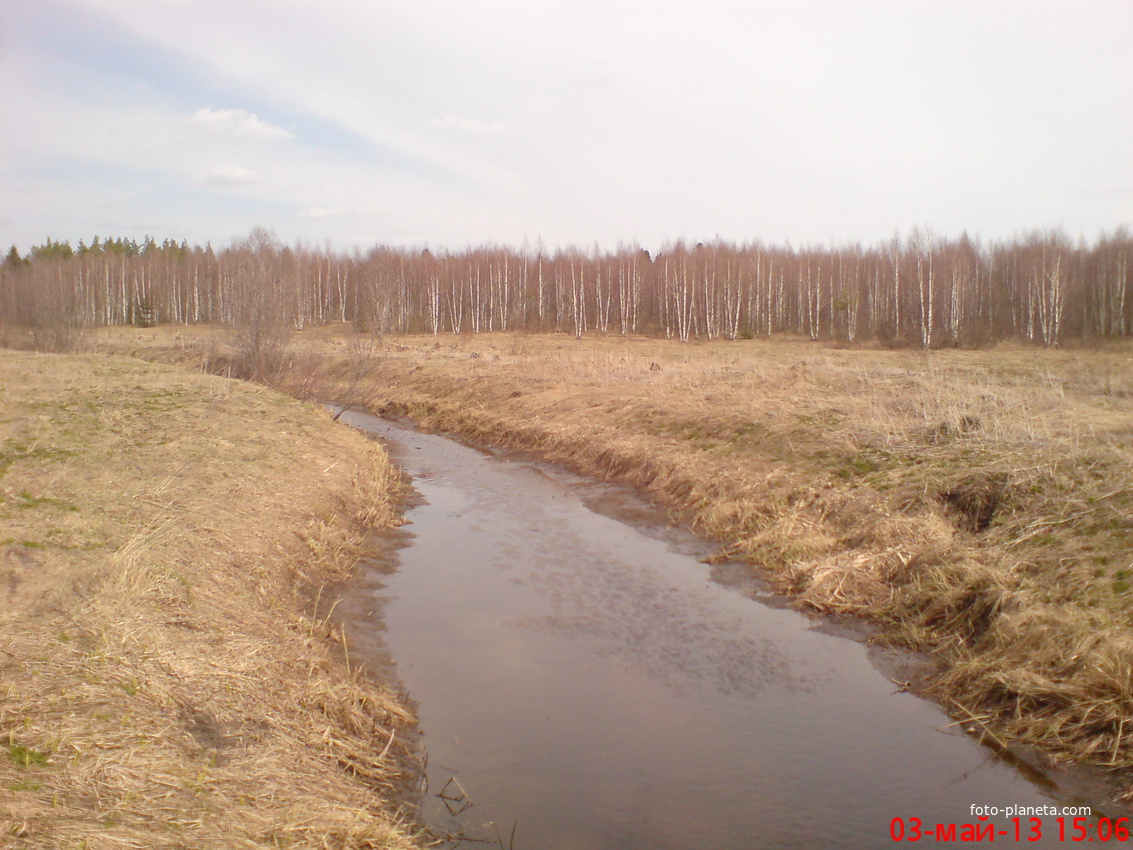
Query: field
pixel 977 505
pixel 164 678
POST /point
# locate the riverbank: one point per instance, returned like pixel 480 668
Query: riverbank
pixel 976 505
pixel 164 681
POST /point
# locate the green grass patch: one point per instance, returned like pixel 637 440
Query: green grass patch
pixel 18 451
pixel 25 757
pixel 27 501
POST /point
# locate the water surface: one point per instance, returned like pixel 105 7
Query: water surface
pixel 588 683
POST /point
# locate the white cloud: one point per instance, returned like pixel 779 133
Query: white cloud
pixel 238 122
pixel 229 175
pixel 322 212
pixel 339 212
pixel 806 121
pixel 466 125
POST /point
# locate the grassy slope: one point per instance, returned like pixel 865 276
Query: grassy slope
pixel 162 682
pixel 976 504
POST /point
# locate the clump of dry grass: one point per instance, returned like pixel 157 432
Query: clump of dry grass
pixel 165 682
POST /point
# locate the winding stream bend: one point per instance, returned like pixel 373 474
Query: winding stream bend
pixel 590 684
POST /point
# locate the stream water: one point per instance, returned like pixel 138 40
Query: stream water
pixel 586 682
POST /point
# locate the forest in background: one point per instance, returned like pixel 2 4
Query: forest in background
pixel 918 290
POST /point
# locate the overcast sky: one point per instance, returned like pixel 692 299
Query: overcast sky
pixel 462 122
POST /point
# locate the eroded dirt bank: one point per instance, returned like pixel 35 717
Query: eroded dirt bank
pixel 163 682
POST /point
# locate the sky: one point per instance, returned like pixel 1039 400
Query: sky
pixel 451 123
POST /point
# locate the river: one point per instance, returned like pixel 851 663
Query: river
pixel 584 680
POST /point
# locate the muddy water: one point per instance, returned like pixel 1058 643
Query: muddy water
pixel 591 684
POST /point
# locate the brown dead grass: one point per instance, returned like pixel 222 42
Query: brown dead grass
pixel 977 505
pixel 163 681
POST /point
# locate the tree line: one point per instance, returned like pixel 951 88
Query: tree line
pixel 920 289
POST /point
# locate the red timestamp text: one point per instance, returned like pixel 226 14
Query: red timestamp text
pixel 1016 829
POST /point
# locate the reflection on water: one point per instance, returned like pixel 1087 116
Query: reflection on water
pixel 590 685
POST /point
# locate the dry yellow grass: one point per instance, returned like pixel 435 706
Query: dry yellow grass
pixel 976 504
pixel 163 679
